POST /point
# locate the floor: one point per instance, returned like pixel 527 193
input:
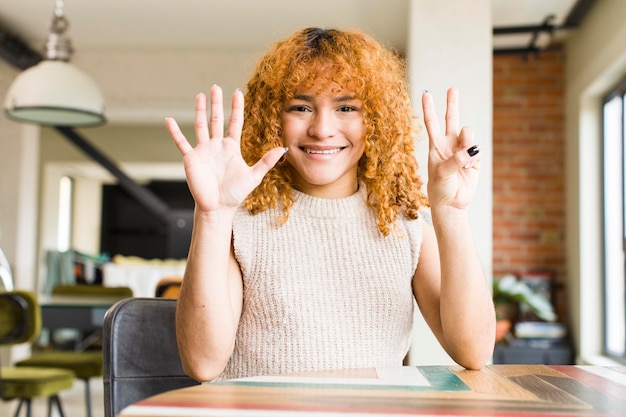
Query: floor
pixel 73 402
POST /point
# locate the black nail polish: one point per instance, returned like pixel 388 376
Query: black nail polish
pixel 473 150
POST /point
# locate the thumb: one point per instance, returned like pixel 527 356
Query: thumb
pixel 267 162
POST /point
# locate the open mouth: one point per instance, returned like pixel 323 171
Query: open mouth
pixel 321 151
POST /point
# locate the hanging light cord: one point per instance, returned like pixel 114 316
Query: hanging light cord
pixel 58 9
pixel 58 46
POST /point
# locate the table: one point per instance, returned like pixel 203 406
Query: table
pixel 84 313
pixel 496 390
pixel 76 312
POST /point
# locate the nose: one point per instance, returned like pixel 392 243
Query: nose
pixel 323 125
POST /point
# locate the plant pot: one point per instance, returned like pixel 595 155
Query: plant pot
pixel 503 326
pixel 506 311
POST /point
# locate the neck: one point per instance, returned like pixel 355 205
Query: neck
pixel 338 189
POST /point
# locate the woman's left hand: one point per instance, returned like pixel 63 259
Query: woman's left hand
pixel 453 159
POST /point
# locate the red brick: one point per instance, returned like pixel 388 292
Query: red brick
pixel 529 164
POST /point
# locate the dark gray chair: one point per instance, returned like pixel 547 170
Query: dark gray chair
pixel 140 354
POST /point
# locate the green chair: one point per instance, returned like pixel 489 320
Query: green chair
pixel 20 322
pixel 85 364
pixel 87 290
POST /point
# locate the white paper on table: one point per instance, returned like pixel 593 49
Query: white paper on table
pixel 391 376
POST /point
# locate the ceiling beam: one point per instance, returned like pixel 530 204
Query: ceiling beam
pixel 16 52
pixel 577 13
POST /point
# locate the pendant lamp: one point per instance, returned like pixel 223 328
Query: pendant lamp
pixel 54 92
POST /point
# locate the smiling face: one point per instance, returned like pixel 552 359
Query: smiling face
pixel 373 144
pixel 324 131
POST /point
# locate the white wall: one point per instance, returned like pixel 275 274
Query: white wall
pixel 18 191
pixel 450 45
pixel 19 161
pixel 596 61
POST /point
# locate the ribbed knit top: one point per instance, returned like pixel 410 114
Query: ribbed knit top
pixel 326 290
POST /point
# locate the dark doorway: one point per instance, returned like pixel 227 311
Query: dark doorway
pixel 130 229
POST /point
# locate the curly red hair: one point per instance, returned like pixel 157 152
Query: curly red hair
pixel 377 76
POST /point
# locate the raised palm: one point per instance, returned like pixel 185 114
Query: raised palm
pixel 217 175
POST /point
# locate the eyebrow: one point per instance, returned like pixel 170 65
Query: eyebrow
pixel 340 99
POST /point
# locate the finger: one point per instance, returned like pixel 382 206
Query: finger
pixel 430 116
pixel 267 162
pixel 200 125
pixel 236 118
pixel 461 160
pixel 475 161
pixel 179 139
pixel 475 164
pixel 216 127
pixel 466 142
pixel 466 137
pixel 452 112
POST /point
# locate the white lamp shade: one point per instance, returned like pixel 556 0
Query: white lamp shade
pixel 55 93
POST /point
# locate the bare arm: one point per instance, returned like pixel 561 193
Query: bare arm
pixel 219 179
pixel 450 285
pixel 210 300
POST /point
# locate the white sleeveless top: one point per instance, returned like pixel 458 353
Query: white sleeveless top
pixel 324 291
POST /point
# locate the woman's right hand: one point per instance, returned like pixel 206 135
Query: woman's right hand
pixel 217 175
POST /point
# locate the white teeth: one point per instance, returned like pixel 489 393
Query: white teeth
pixel 322 151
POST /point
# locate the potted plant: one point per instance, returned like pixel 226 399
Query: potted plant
pixel 508 294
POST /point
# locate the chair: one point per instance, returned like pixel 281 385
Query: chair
pixel 88 290
pixel 141 357
pixel 168 287
pixel 85 364
pixel 20 322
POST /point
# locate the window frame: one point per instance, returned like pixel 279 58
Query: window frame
pixel 618 91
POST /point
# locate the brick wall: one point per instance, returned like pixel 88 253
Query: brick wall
pixel 529 165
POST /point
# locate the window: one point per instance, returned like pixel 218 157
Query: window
pixel 614 218
pixel 64 233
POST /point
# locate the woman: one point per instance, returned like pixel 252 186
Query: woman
pixel 310 257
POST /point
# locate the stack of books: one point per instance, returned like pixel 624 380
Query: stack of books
pixel 539 334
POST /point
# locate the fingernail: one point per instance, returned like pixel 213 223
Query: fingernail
pixel 473 150
pixel 282 157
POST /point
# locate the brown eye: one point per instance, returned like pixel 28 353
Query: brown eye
pixel 298 108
